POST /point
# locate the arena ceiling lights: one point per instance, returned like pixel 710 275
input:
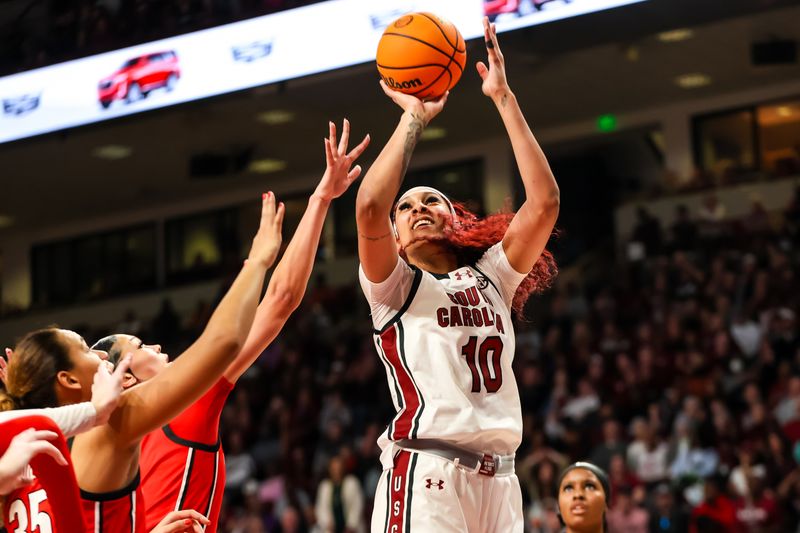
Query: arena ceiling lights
pixel 238 56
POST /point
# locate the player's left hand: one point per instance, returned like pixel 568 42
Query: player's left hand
pixel 494 79
pixel 338 172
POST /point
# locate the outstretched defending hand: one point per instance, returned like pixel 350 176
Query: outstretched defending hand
pixel 338 175
pixel 267 241
pixel 107 387
pixel 186 521
pixel 14 469
pixel 424 111
pixel 494 79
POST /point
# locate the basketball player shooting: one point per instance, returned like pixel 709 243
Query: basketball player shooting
pixel 442 284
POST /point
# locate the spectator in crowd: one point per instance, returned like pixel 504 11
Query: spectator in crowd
pixel 789 491
pixel 647 454
pixel 625 516
pixel 716 513
pixel 757 222
pixel 620 477
pixel 584 404
pixel 612 445
pixel 666 515
pixel 340 501
pixel 757 512
pixel 788 409
pixel 647 231
pixel 683 229
pixel 747 473
pixel 712 217
pixel 239 465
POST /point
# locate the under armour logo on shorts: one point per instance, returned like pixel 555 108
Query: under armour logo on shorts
pixel 430 484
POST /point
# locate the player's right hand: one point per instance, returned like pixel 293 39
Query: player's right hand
pixel 186 521
pixel 423 110
pixel 14 470
pixel 107 387
pixel 267 241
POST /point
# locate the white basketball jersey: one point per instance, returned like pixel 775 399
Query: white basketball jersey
pixel 448 349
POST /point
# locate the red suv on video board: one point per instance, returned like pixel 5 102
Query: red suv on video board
pixel 138 76
pixel 493 8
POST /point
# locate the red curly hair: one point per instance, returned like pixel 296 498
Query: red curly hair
pixel 471 236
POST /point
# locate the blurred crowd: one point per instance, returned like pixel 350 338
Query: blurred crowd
pixel 679 374
pixel 40 34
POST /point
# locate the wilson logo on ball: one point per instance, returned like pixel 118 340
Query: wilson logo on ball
pixel 402 84
pixel 403 21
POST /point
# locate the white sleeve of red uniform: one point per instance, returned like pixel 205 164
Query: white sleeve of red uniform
pixel 494 263
pixel 387 297
pixel 70 419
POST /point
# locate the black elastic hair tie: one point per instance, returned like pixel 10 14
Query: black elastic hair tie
pixel 489 45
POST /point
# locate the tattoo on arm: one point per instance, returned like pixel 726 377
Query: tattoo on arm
pixel 504 100
pixel 365 237
pixel 412 137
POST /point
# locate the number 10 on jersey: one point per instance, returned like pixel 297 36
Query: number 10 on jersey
pixel 478 361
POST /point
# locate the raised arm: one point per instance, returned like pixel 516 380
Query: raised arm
pixel 533 223
pixel 377 248
pixel 288 283
pixel 153 403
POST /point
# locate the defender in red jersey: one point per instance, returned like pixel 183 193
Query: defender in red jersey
pixel 182 464
pixel 54 367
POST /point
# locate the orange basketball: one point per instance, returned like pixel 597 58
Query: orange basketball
pixel 421 54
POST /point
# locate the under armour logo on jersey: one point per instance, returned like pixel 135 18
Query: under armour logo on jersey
pixel 465 274
pixel 430 484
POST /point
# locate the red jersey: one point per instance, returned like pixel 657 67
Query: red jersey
pixel 183 465
pixel 29 509
pixel 119 511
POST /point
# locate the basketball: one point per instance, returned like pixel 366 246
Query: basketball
pixel 422 55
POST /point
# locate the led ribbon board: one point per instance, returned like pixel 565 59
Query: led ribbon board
pixel 284 45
